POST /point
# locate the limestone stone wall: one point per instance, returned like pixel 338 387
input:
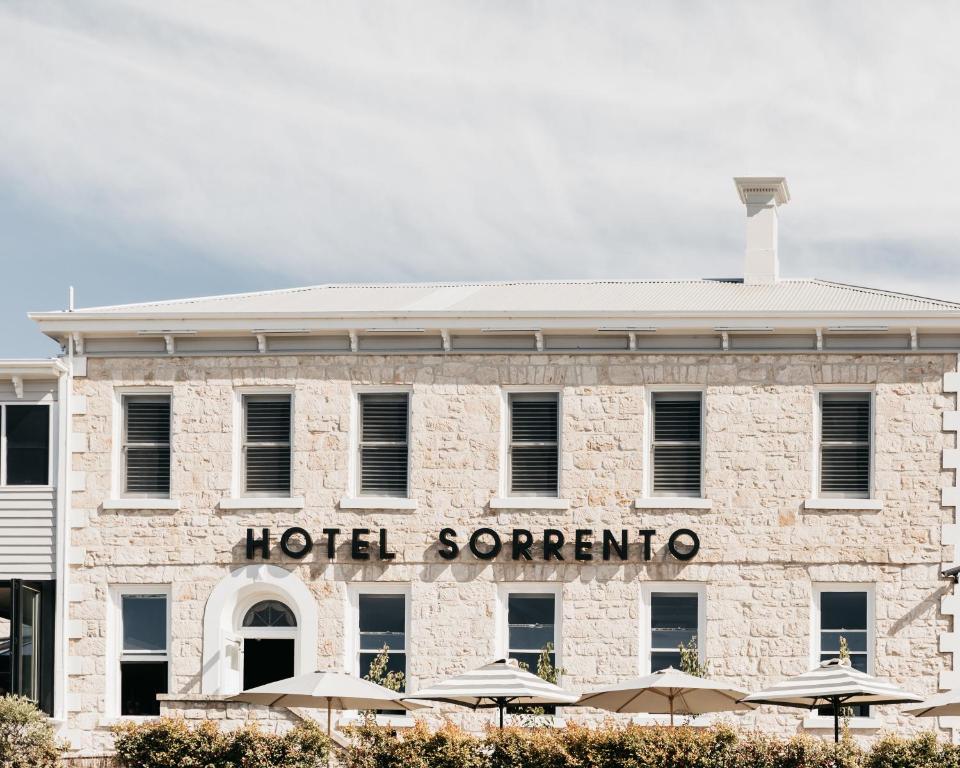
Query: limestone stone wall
pixel 762 550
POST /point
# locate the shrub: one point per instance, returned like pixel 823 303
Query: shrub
pixel 26 737
pixel 924 751
pixel 376 746
pixel 172 743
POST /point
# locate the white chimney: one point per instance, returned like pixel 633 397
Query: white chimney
pixel 762 195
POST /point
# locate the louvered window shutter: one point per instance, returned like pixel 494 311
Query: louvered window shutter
pixel 677 444
pixel 266 444
pixel 534 444
pixel 146 445
pixel 383 444
pixel 845 444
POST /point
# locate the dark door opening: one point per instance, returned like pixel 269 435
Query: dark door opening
pixel 26 640
pixel 266 660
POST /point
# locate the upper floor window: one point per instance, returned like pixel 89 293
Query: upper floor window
pixel 677 444
pixel 146 445
pixel 24 444
pixel 845 432
pixel 384 443
pixel 534 444
pixel 266 444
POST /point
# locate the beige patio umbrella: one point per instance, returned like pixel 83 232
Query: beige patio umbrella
pixel 668 691
pixel 833 684
pixel 946 704
pixel 499 684
pixel 326 689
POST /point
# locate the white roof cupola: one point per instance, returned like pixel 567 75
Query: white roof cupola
pixel 762 195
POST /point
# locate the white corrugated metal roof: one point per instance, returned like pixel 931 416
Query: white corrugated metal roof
pixel 587 296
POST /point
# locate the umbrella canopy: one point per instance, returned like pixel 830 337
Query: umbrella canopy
pixel 946 704
pixel 329 689
pixel 668 691
pixel 499 684
pixel 833 684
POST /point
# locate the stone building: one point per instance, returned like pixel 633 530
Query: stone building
pixel 269 483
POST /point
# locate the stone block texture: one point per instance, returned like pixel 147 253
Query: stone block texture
pixel 762 551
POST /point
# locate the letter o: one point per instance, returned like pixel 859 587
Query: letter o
pixel 493 551
pixel 297 554
pixel 694 544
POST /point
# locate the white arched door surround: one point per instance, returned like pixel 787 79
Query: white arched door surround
pixel 228 603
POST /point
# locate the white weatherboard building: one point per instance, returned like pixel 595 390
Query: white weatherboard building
pixel 264 484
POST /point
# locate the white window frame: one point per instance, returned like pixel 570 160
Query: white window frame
pixel 114 642
pixel 502 614
pixel 648 434
pixel 647 589
pixel 817 415
pixel 51 405
pixel 122 445
pixel 241 633
pixel 118 427
pixel 351 645
pixel 238 474
pixel 813 720
pixel 353 462
pixel 505 428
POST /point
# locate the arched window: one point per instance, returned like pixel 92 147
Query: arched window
pixel 269 613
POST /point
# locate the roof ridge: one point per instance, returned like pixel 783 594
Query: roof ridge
pixel 885 292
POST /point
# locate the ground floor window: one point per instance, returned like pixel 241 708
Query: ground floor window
pixel 675 615
pixel 144 648
pixel 269 630
pixel 382 626
pixel 26 640
pixel 844 613
pixel 531 628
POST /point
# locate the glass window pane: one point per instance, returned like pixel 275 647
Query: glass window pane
pixel 28 444
pixel 396 662
pixel 843 610
pixel 144 623
pixel 530 620
pixel 856 641
pixel 140 682
pixel 663 659
pixel 30 644
pixel 269 613
pixel 530 661
pixel 530 609
pixel 673 610
pixel 382 622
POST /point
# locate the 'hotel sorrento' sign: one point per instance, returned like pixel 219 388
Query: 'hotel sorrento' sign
pixel 484 544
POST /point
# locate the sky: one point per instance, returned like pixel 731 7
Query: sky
pixel 162 150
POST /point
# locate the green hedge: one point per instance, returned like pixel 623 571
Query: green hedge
pixel 171 743
pixel 634 747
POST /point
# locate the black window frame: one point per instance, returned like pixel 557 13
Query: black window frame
pixel 673 396
pixel 4 445
pixel 517 448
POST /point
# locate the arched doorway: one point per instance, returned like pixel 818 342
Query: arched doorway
pixel 269 634
pixel 256 618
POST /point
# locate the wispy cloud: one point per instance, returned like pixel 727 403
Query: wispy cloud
pixel 381 140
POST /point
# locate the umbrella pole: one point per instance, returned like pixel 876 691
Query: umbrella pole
pixel 329 733
pixel 836 720
pixel 500 707
pixel 671 711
